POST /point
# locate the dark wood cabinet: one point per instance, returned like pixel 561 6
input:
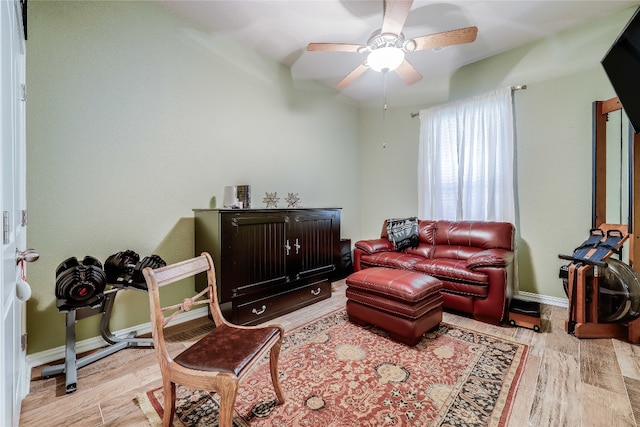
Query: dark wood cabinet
pixel 269 261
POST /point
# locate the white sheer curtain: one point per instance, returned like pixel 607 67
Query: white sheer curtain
pixel 466 159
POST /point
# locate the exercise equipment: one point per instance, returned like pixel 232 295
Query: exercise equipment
pixel 152 261
pixel 125 268
pixel 595 236
pixel 119 266
pixel 79 283
pixel 85 289
pixel 604 292
pixel 619 293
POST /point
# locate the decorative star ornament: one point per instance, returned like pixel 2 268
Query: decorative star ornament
pixel 271 199
pixel 292 200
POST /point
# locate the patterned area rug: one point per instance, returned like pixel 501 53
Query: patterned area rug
pixel 335 373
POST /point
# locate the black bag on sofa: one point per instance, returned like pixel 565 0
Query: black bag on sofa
pixel 403 232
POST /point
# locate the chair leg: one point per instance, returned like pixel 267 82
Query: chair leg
pixel 169 389
pixel 228 392
pixel 274 354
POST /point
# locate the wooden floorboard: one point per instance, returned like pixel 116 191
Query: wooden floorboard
pixel 601 407
pixel 556 400
pixel 633 393
pixel 566 381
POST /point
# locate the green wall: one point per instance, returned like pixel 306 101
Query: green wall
pixel 135 116
pixel 553 120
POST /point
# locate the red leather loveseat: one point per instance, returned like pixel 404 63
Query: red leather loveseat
pixel 473 259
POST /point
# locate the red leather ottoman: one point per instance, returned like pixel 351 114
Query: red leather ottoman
pixel 406 304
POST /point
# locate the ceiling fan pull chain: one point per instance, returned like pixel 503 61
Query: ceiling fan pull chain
pixel 384 110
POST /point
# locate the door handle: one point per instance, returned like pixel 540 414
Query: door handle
pixel 23 290
pixel 29 255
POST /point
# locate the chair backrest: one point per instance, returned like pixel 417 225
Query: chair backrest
pixel 162 316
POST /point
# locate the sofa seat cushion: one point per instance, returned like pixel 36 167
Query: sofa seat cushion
pixel 453 270
pixel 398 260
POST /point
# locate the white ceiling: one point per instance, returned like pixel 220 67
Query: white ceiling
pixel 281 30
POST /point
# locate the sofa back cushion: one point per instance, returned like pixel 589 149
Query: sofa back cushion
pixel 461 239
pixel 426 235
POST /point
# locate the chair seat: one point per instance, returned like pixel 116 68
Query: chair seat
pixel 226 349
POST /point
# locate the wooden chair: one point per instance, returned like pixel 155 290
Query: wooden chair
pixel 220 359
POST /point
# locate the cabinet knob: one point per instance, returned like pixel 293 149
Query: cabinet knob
pixel 287 246
pixel 316 292
pixel 297 246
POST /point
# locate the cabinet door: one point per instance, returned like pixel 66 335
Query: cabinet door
pixel 314 241
pixel 253 252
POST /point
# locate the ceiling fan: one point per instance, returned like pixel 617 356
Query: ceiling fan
pixel 387 47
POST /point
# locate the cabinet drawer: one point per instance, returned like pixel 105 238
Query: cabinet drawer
pixel 260 310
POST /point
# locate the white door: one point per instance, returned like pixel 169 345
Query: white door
pixel 13 366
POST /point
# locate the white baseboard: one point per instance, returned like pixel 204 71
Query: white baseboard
pixel 57 353
pixel 543 299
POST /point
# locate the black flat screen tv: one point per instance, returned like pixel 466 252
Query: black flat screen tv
pixel 622 65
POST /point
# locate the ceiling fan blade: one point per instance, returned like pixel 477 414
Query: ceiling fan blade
pixel 407 73
pixel 446 38
pixel 395 15
pixel 333 47
pixel 357 72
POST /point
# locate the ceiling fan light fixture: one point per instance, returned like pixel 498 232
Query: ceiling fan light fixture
pixel 385 59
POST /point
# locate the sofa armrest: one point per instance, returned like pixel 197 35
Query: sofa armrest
pixel 490 258
pixel 374 245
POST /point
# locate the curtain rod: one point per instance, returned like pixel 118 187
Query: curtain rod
pixel 517 87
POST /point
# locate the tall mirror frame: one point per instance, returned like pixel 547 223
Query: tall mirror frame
pixel 613 179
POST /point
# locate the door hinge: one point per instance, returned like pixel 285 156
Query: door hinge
pixel 24 92
pixel 24 217
pixel 5 227
pixel 23 342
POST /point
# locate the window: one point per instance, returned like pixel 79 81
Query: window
pixel 466 159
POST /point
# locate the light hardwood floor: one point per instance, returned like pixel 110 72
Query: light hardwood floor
pixel 566 381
